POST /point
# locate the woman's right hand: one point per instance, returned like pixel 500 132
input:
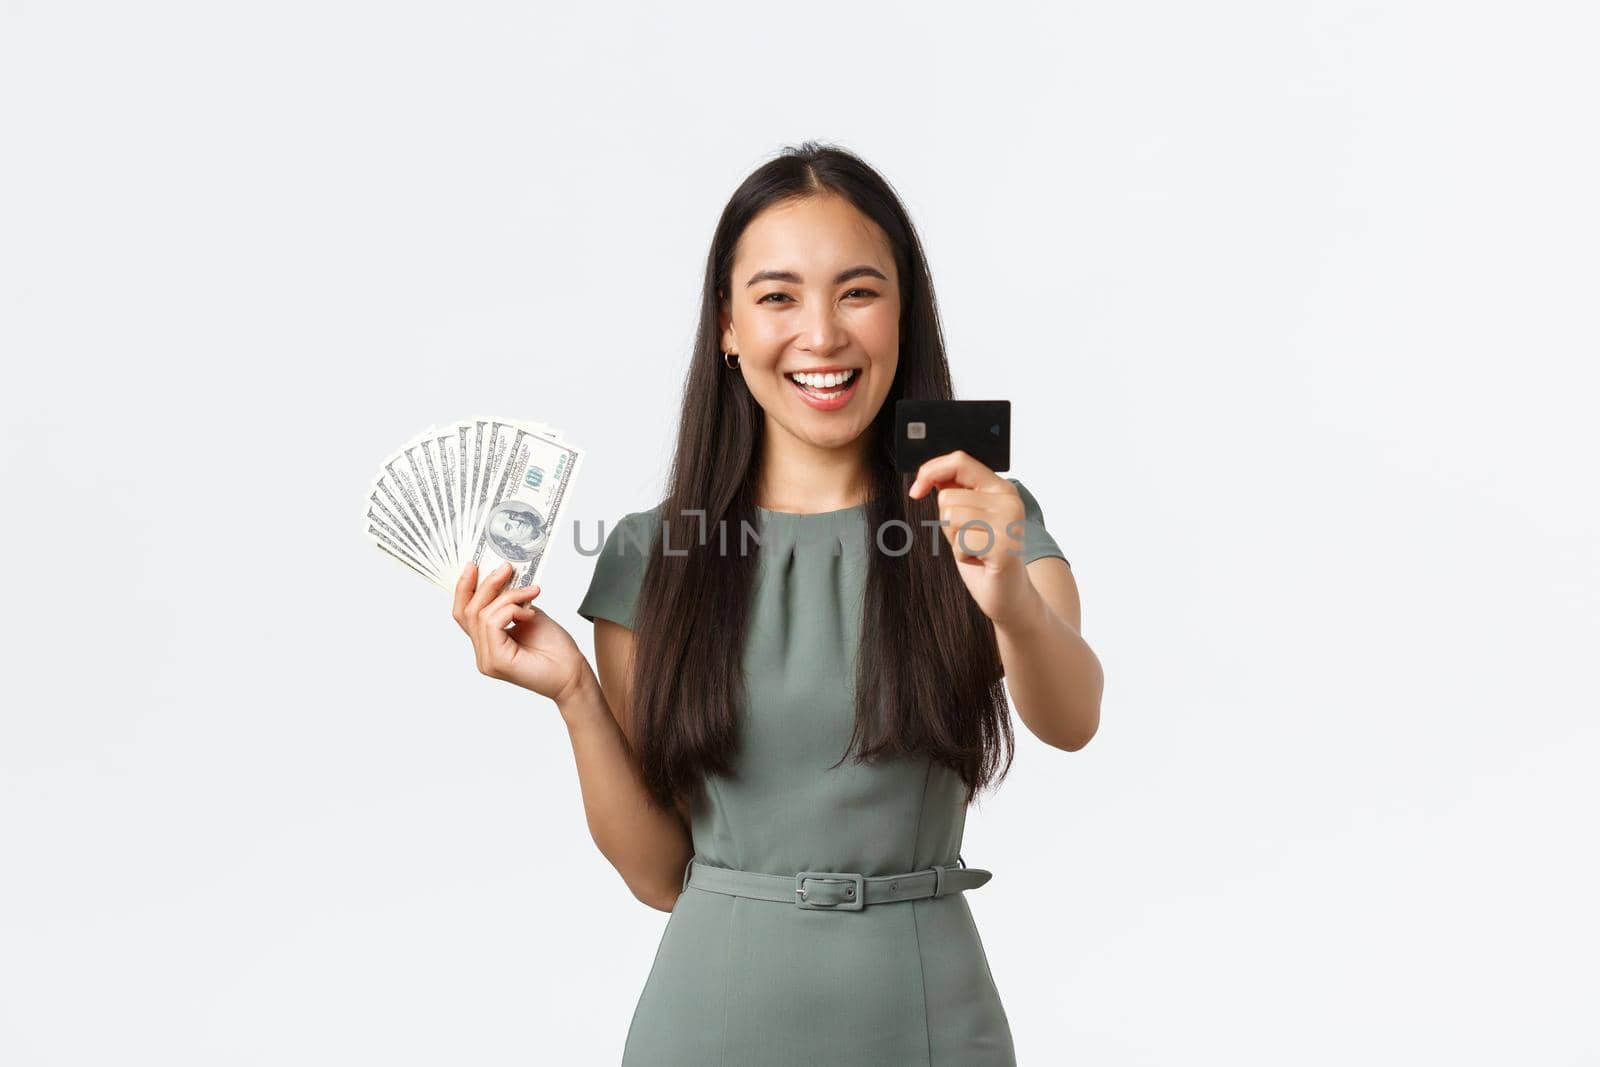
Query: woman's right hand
pixel 536 653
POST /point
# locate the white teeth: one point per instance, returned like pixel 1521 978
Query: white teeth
pixel 824 381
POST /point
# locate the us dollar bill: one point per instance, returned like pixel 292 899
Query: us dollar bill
pixel 485 488
pixel 528 477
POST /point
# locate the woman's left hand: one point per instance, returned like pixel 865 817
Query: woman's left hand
pixel 980 515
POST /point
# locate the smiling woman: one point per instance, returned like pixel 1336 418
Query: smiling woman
pixel 818 713
pixel 780 744
pixel 809 335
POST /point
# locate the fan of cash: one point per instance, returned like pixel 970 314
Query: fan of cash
pixel 483 489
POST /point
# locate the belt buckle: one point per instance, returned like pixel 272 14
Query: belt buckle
pixel 855 897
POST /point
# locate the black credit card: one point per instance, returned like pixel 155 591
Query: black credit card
pixel 927 428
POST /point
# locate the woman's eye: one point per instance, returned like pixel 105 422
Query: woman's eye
pixel 769 296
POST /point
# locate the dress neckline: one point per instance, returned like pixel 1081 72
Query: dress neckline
pixel 797 515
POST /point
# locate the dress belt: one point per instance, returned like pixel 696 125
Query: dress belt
pixel 834 890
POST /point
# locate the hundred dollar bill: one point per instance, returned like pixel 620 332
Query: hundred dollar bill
pixel 484 488
pixel 438 454
pixel 401 477
pixel 490 436
pixel 395 551
pixel 461 434
pixel 527 477
pixel 387 522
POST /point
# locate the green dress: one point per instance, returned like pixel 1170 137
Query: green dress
pixel 742 981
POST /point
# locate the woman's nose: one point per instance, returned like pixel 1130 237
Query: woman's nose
pixel 822 328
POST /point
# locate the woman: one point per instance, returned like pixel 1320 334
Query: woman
pixel 770 618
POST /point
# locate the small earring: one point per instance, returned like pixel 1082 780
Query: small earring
pixel 731 359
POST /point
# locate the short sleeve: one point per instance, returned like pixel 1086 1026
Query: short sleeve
pixel 619 571
pixel 1036 540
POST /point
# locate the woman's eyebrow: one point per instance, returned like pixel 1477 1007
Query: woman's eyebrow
pixel 860 271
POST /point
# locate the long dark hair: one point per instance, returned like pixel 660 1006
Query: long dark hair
pixel 929 674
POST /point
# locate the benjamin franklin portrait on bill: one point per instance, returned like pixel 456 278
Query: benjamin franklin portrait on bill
pixel 515 530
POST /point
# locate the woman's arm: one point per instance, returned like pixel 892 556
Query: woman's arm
pixel 1054 677
pixel 648 845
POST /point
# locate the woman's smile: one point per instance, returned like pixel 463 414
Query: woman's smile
pixel 826 392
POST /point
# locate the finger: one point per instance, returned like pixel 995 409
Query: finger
pixel 956 468
pixel 495 611
pixel 496 646
pixel 975 536
pixel 969 499
pixel 502 616
pixel 488 641
pixel 466 585
pixel 489 588
pixel 994 510
pixel 511 596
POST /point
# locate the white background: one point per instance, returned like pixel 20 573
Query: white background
pixel 1296 307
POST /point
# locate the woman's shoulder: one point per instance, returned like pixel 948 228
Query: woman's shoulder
pixel 1029 501
pixel 620 567
pixel 633 531
pixel 1037 538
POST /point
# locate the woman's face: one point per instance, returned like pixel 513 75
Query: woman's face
pixel 814 288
